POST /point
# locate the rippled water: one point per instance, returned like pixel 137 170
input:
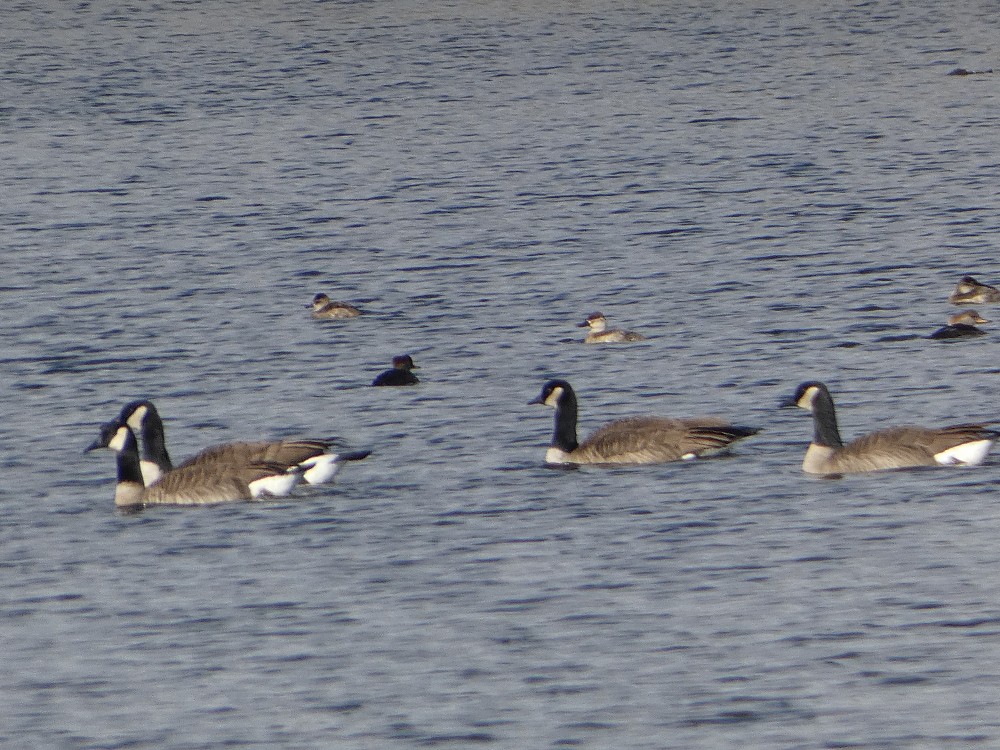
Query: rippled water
pixel 770 194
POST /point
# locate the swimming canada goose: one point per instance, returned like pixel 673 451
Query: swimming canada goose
pixel 324 308
pixel 971 292
pixel 313 457
pixel 400 373
pixel 600 334
pixel 961 325
pixel 893 448
pixel 197 484
pixel 635 440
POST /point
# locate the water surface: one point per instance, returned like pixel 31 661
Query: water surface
pixel 769 194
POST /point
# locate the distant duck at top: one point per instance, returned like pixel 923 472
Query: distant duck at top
pixel 961 325
pixel 400 373
pixel 323 308
pixel 972 292
pixel 601 334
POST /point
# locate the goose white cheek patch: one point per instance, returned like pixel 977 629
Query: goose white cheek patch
pixel 117 443
pixel 151 473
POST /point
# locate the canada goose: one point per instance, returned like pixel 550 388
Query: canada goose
pixel 324 308
pixel 600 334
pixel 635 440
pixel 400 373
pixel 972 292
pixel 961 325
pixel 893 448
pixel 318 465
pixel 197 484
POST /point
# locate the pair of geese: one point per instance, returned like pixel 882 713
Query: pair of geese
pixel 644 440
pixel 222 473
pixel 647 440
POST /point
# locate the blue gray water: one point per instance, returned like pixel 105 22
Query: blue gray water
pixel 770 193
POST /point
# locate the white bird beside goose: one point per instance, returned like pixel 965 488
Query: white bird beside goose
pixel 893 448
pixel 312 457
pixel 635 440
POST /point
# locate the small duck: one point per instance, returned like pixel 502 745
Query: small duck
pixel 323 308
pixel 961 325
pixel 400 373
pixel 600 334
pixel 972 292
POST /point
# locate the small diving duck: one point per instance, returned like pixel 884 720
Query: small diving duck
pixel 961 325
pixel 972 292
pixel 600 333
pixel 323 308
pixel 400 373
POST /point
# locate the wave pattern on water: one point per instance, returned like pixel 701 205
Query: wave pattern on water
pixel 770 196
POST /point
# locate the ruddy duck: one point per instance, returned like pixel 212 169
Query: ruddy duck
pixel 601 334
pixel 972 292
pixel 324 308
pixel 961 325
